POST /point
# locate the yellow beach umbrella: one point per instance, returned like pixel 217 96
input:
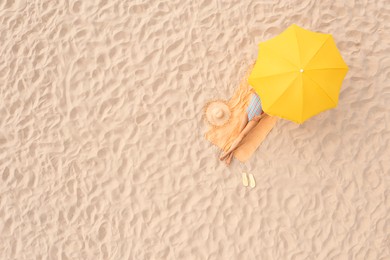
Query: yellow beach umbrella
pixel 298 74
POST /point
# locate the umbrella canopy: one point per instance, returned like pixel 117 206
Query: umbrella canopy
pixel 298 74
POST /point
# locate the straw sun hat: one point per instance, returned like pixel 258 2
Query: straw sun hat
pixel 217 113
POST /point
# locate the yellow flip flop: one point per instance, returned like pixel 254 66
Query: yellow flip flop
pixel 252 182
pixel 245 179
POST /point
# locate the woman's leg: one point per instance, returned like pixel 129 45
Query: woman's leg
pixel 241 136
pixel 237 142
pixel 251 124
pixel 229 158
pixel 244 122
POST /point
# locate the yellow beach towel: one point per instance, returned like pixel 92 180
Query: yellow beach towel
pixel 223 136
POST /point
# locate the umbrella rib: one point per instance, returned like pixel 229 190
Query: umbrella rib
pixel 323 90
pixel 318 50
pixel 284 91
pixel 331 68
pixel 303 104
pixel 299 50
pixel 280 56
pixel 274 75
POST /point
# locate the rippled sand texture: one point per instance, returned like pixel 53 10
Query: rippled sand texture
pixel 102 153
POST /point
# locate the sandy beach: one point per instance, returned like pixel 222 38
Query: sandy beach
pixel 102 148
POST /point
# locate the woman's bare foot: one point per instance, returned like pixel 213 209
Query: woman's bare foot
pixel 223 156
pixel 229 158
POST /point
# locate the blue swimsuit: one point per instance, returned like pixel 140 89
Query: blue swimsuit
pixel 254 108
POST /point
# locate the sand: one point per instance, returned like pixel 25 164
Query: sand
pixel 102 149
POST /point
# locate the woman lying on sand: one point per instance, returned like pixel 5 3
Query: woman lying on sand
pixel 252 116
